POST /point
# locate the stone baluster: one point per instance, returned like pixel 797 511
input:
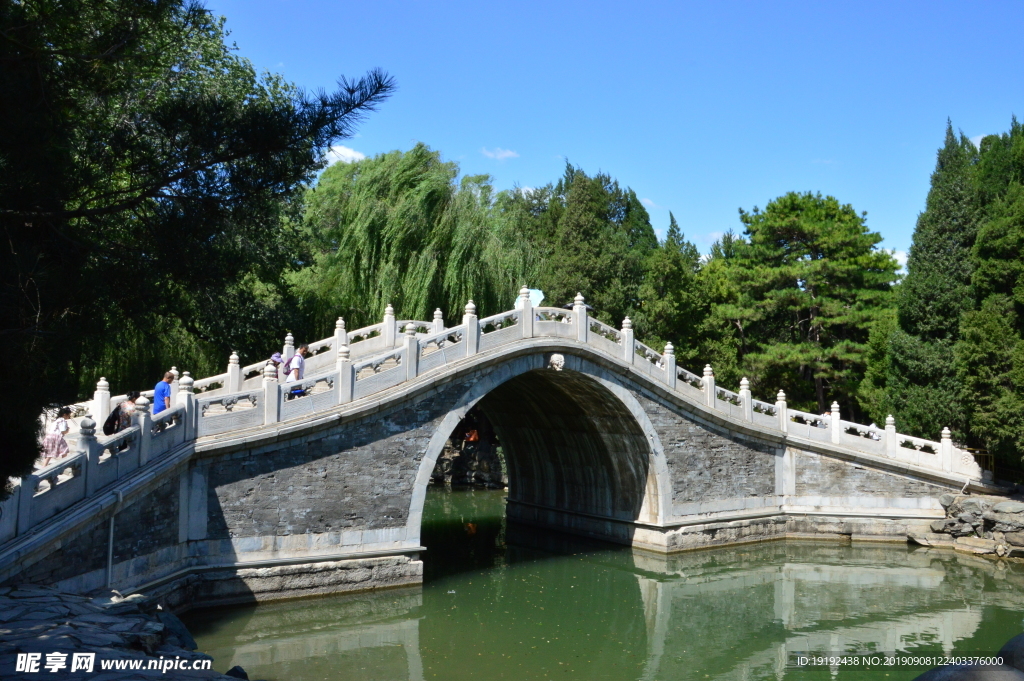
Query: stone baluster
pixel 101 400
pixel 579 314
pixel 472 333
pixel 89 449
pixel 747 399
pixel 438 321
pixel 175 385
pixel 145 423
pixel 946 450
pixel 782 411
pixel 669 357
pixel 526 312
pixel 628 342
pixel 890 437
pixel 27 490
pixel 234 374
pixel 288 351
pixel 412 352
pixel 340 336
pixel 187 399
pixel 271 395
pixel 709 386
pixel 837 429
pixel 346 377
pixel 390 330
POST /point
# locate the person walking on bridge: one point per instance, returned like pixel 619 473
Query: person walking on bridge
pixel 55 446
pixel 296 370
pixel 162 394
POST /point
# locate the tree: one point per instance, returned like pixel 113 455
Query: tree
pixel 671 306
pixel 146 176
pixel 398 229
pixel 807 285
pixel 593 237
pixel 919 388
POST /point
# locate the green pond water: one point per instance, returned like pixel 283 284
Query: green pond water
pixel 503 602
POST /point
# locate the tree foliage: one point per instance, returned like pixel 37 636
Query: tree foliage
pixel 146 174
pixel 398 229
pixel 807 286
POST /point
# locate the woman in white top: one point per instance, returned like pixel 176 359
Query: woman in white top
pixel 55 446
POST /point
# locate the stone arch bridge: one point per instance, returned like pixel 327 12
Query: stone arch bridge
pixel 243 491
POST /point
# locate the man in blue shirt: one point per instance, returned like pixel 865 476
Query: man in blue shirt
pixel 162 394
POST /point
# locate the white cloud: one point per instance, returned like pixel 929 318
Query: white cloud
pixel 526 191
pixel 901 258
pixel 977 140
pixel 343 154
pixel 649 203
pixel 498 153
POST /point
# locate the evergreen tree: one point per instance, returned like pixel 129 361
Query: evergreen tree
pixel 810 285
pixel 671 309
pixel 919 387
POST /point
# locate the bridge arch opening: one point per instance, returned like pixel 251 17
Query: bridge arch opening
pixel 581 454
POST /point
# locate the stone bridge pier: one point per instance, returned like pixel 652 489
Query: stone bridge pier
pixel 334 502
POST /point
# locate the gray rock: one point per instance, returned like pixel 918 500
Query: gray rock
pixel 1004 522
pixel 1014 538
pixel 975 506
pixel 972 673
pixel 1009 507
pixel 177 628
pixel 969 518
pixel 938 526
pixel 947 500
pixel 1012 652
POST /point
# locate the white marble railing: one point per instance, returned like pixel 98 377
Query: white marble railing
pixel 351 366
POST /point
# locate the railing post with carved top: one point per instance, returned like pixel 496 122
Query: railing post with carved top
pixel 837 429
pixel 579 315
pixel 412 352
pixel 27 490
pixel 187 399
pixel 946 450
pixel 746 399
pixel 101 400
pixel 390 329
pixel 271 395
pixel 346 379
pixel 709 386
pixel 145 423
pixel 526 312
pixel 890 436
pixel 472 332
pixel 87 445
pixel 175 385
pixel 288 350
pixel 340 336
pixel 234 383
pixel 628 342
pixel 669 357
pixel 438 321
pixel 782 411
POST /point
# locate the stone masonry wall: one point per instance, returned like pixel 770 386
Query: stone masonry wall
pixel 824 476
pixel 142 528
pixel 706 466
pixel 358 476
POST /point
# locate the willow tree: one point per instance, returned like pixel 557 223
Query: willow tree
pixel 398 228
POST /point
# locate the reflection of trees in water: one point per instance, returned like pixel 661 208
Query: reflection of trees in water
pixel 621 614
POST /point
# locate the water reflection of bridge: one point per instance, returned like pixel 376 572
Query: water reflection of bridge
pixel 733 614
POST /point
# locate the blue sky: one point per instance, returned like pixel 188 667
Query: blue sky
pixel 701 108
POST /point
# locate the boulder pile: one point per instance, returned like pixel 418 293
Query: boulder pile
pixel 978 524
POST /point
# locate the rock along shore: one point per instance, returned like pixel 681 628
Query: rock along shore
pixel 39 620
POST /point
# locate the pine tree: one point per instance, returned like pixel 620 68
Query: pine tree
pixel 920 388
